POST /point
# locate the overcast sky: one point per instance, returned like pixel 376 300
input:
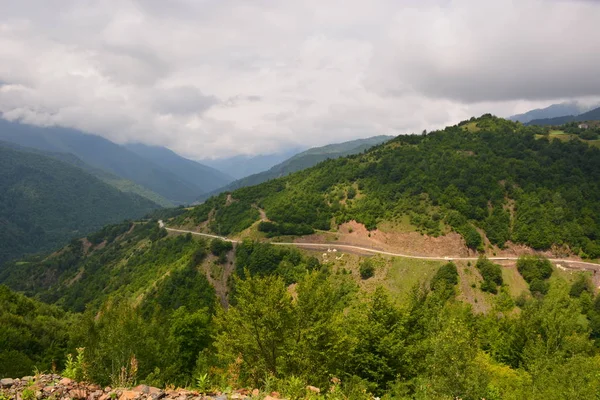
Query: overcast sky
pixel 216 78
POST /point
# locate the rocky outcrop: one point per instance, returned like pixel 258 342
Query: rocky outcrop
pixel 59 388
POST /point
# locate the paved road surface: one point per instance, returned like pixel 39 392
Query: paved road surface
pixel 387 253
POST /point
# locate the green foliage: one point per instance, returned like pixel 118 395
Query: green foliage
pixel 259 328
pixel 446 276
pixel 367 269
pixel 273 229
pixel 76 369
pixel 265 259
pixel 219 247
pixel 33 334
pixel 535 270
pixel 491 274
pixel 581 284
pixel 28 394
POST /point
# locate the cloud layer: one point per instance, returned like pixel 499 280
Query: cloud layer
pixel 216 78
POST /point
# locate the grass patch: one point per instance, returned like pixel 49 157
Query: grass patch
pixel 557 132
pixel 404 273
pixel 471 127
pixel 594 142
pixel 515 282
pixel 398 225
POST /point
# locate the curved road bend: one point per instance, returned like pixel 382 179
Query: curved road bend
pixel 387 253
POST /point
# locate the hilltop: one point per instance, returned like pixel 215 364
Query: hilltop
pixel 495 183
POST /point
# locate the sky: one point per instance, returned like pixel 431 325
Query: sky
pixel 219 78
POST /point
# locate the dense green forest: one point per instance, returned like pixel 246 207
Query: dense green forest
pixel 45 202
pixel 324 332
pixel 484 175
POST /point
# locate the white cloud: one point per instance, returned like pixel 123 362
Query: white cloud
pixel 218 78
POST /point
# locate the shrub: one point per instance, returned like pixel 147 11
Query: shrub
pixel 367 269
pixel 491 273
pixel 446 275
pixel 534 267
pixel 582 284
pixel 538 286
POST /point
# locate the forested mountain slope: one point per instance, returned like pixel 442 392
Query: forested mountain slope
pixel 45 202
pixel 102 154
pixel 305 159
pixel 113 180
pixel 487 175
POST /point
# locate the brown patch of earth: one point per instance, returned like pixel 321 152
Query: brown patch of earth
pixel 86 246
pixel 409 243
pixel 218 275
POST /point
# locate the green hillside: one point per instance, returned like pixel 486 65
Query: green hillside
pixel 406 330
pixel 169 309
pixel 115 181
pixel 305 159
pixel 45 202
pixel 487 175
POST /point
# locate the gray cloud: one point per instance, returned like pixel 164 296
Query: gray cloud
pixel 218 78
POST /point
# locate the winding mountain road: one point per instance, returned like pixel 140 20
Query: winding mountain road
pixel 582 264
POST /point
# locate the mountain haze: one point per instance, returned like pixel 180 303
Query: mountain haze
pixel 243 165
pixel 586 116
pixel 105 155
pixel 305 159
pixel 201 176
pixel 552 111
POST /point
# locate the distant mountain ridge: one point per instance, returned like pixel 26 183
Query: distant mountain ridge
pixel 44 202
pixel 242 166
pixel 587 116
pixel 110 157
pixel 202 176
pixel 305 159
pixel 552 111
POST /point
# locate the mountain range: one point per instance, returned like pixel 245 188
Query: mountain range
pixel 241 166
pixel 154 169
pixel 552 111
pixel 303 160
pixel 591 115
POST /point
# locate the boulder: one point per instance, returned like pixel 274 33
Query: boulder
pixel 78 394
pixel 65 381
pixel 129 395
pixel 6 382
pixel 145 389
